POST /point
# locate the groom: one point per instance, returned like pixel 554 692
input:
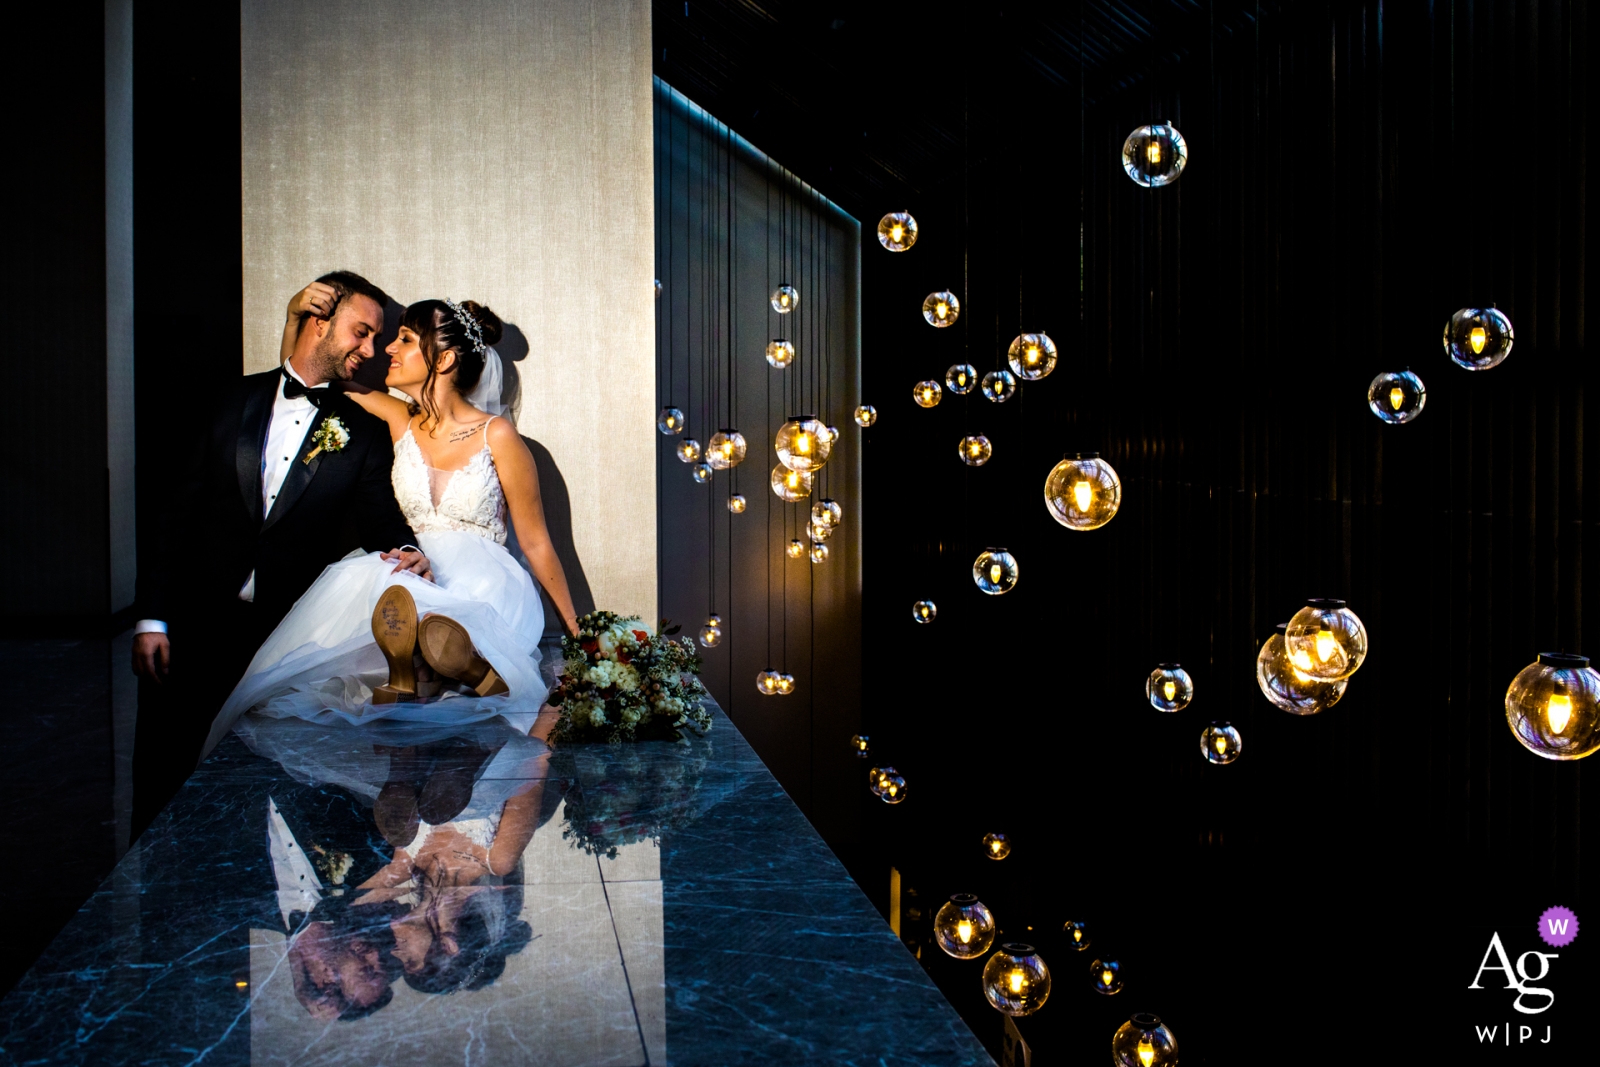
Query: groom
pixel 282 477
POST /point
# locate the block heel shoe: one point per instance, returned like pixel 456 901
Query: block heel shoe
pixel 394 627
pixel 448 648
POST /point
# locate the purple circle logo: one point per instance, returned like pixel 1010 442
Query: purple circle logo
pixel 1558 926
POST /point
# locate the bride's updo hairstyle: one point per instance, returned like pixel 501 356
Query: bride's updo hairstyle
pixel 440 330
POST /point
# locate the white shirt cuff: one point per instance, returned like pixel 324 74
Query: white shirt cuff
pixel 149 626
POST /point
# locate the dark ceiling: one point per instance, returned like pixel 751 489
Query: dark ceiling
pixel 873 103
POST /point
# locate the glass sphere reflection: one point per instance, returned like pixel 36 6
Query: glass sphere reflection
pixel 670 421
pixel 790 485
pixel 1083 492
pixel 927 394
pixel 975 450
pixel 961 379
pixel 1397 397
pixel 1015 980
pixel 780 353
pixel 726 449
pixel 767 682
pixel 1220 743
pixel 924 611
pixel 1076 931
pixel 1285 686
pixel 1106 976
pixel 891 788
pixel 689 450
pixel 1032 356
pixel 1143 1042
pixel 1155 155
pixel 785 683
pixel 785 298
pixel 858 745
pixel 897 231
pixel 737 503
pixel 999 386
pixel 796 548
pixel 1169 687
pixel 701 472
pixel 1478 338
pixel 803 443
pixel 819 552
pixel 865 415
pixel 941 309
pixel 996 846
pixel 995 570
pixel 1326 640
pixel 1553 707
pixel 963 927
pixel 827 511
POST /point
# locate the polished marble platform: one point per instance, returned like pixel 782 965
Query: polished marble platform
pixel 672 906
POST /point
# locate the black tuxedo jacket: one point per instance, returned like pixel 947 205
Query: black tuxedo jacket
pixel 214 531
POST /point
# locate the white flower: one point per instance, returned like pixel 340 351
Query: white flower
pixel 625 677
pixel 597 715
pixel 600 674
pixel 630 715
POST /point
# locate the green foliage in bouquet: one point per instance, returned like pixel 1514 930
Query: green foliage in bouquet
pixel 623 684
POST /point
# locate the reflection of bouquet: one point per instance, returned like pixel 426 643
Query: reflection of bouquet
pixel 622 684
pixel 629 794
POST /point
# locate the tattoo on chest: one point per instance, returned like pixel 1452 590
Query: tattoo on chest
pixel 462 435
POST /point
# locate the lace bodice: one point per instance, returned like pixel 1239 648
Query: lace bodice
pixel 469 499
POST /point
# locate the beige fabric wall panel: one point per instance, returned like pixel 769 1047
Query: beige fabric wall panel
pixel 499 151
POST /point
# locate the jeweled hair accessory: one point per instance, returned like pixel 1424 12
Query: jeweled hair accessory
pixel 468 323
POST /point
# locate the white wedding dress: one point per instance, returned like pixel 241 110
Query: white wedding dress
pixel 322 663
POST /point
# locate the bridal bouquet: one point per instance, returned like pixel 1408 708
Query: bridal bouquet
pixel 629 795
pixel 623 684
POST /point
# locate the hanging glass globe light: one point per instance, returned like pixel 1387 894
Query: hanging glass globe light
pixel 866 415
pixel 737 503
pixel 832 433
pixel 961 379
pixel 1032 356
pixel 1169 687
pixel 892 788
pixel 1553 706
pixel 1478 338
pixel 1106 976
pixel 963 927
pixel 1083 492
pixel 818 531
pixel 858 745
pixel 767 682
pixel 1015 980
pixel 670 421
pixel 1397 397
pixel 996 846
pixel 1326 641
pixel 785 298
pixel 924 611
pixel 796 548
pixel 1143 1042
pixel 927 394
pixel 711 632
pixel 726 449
pixel 941 309
pixel 790 485
pixel 1220 743
pixel 1285 686
pixel 1155 155
pixel 876 778
pixel 975 450
pixel 689 450
pixel 785 683
pixel 1076 931
pixel 701 472
pixel 827 512
pixel 819 552
pixel 780 353
pixel 995 570
pixel 999 386
pixel 897 231
pixel 803 444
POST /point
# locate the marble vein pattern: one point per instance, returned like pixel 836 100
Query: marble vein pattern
pixel 672 906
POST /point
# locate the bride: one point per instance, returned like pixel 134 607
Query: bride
pixel 460 473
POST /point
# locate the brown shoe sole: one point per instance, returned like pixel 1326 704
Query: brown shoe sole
pixel 394 627
pixel 448 648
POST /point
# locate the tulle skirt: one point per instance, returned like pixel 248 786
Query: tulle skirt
pixel 322 664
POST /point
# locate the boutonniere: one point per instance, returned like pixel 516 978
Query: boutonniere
pixel 331 436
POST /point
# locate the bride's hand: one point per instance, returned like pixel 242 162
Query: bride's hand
pixel 315 299
pixel 409 559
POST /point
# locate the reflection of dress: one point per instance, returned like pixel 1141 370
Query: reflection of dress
pixel 322 664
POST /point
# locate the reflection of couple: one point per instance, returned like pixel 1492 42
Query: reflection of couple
pixel 310 515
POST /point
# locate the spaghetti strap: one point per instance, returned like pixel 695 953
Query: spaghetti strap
pixel 490 419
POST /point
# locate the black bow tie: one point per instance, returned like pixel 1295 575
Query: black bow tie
pixel 293 389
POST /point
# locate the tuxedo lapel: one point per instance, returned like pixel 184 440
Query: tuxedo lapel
pixel 301 473
pixel 252 440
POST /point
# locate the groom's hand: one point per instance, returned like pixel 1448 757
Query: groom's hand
pixel 151 654
pixel 409 559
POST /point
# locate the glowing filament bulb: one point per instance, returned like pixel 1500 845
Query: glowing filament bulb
pixel 1558 713
pixel 1170 689
pixel 994 846
pixel 1153 152
pixel 1032 355
pixel 1019 981
pixel 1302 662
pixel 942 310
pixel 1146 1051
pixel 1326 645
pixel 802 443
pixel 1396 398
pixel 995 571
pixel 1077 935
pixel 964 931
pixel 1222 750
pixel 793 478
pixel 1083 493
pixel 896 233
pixel 891 789
pixel 783 298
pixel 1106 977
pixel 672 422
pixel 1477 339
